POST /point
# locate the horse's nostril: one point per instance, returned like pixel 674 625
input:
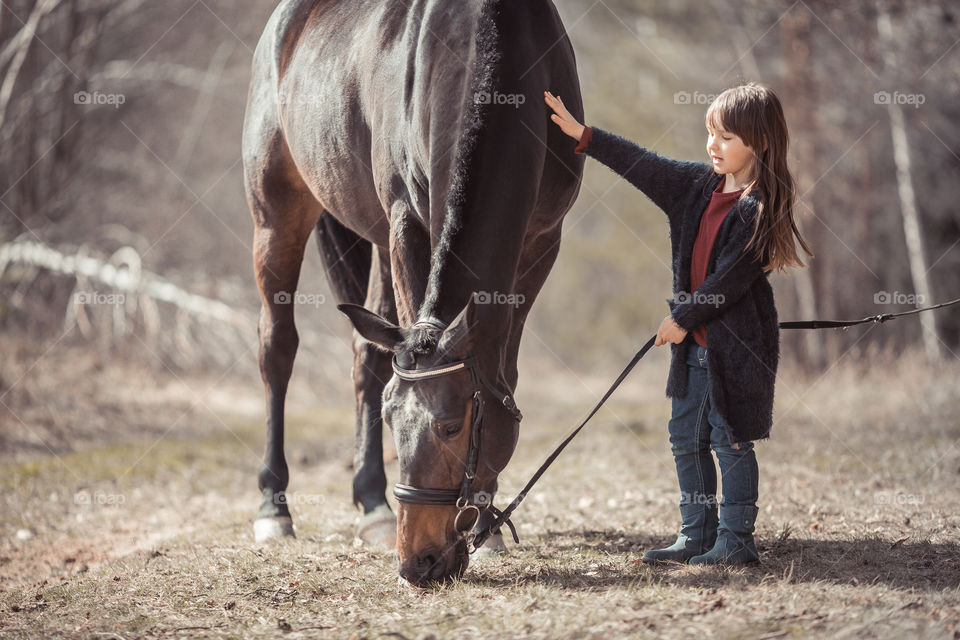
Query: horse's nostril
pixel 430 564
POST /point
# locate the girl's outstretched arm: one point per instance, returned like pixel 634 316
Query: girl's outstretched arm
pixel 663 180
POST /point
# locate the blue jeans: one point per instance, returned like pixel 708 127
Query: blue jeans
pixel 696 427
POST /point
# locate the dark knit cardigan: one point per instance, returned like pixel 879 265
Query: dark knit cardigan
pixel 735 302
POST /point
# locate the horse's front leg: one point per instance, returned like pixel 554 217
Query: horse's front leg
pixel 398 277
pixel 278 252
pixel 371 371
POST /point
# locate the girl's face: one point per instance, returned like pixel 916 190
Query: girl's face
pixel 729 154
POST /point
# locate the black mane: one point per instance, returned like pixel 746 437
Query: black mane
pixel 474 122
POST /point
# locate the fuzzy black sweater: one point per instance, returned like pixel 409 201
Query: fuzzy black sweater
pixel 735 302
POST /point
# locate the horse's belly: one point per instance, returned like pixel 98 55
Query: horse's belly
pixel 349 197
pixel 334 162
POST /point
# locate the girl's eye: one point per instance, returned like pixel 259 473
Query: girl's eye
pixel 726 138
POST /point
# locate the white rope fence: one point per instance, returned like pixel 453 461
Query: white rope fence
pixel 122 272
pixel 201 327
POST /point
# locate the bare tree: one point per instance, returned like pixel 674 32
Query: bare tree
pixel 908 204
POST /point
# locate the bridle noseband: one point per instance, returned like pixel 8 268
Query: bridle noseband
pixel 461 498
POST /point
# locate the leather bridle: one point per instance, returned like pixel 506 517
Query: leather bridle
pixel 462 497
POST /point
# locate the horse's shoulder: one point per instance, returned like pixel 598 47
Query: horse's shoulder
pixel 283 31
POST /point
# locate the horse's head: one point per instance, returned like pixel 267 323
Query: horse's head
pixel 432 407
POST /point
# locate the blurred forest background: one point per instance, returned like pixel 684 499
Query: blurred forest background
pixel 120 127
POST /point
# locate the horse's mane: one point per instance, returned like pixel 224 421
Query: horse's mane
pixel 474 122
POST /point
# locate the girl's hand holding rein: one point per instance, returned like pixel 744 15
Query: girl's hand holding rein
pixel 669 331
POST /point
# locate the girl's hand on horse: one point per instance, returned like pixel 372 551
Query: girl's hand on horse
pixel 670 331
pixel 567 123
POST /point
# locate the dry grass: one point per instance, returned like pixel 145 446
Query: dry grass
pixel 859 530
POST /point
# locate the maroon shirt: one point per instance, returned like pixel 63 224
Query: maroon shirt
pixel 584 140
pixel 717 210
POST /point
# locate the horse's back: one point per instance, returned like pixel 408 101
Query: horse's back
pixel 365 102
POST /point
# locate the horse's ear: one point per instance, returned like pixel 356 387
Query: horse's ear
pixel 456 340
pixel 374 328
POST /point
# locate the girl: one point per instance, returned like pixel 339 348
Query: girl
pixel 731 224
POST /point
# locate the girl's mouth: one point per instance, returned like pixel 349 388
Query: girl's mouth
pixel 716 159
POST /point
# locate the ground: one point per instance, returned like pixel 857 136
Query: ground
pixel 140 525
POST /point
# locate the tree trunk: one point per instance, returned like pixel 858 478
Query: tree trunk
pixel 795 29
pixel 908 204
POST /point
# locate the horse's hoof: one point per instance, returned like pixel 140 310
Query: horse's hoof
pixel 493 546
pixel 378 528
pixel 276 527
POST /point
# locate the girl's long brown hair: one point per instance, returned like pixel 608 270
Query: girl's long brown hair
pixel 753 112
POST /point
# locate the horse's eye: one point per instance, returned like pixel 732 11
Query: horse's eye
pixel 450 429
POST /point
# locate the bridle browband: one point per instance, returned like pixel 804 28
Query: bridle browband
pixel 462 498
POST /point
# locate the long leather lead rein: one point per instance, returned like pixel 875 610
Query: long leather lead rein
pixel 504 515
pixel 835 324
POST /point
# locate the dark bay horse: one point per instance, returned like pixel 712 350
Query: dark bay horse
pixel 412 137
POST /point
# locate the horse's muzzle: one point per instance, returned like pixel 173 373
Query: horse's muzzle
pixel 435 565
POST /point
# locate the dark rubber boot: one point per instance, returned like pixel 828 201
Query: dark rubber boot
pixel 697 534
pixel 734 545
